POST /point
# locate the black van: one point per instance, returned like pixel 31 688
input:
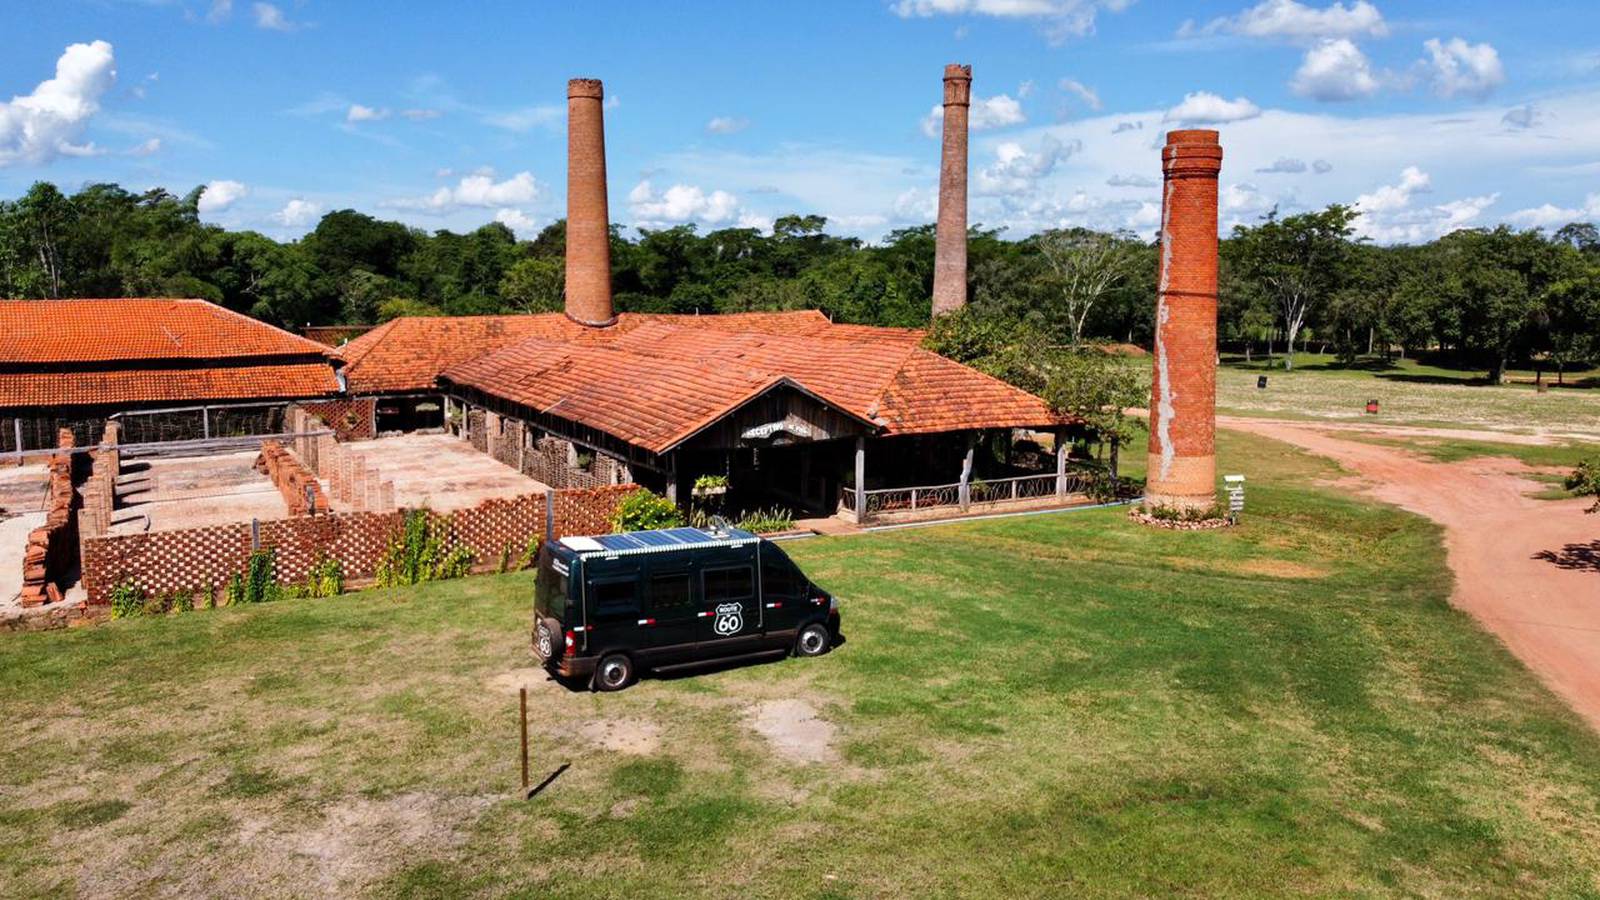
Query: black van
pixel 606 607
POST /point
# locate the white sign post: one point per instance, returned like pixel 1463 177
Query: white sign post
pixel 1235 485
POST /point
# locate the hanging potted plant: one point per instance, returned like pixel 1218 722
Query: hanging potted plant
pixel 710 486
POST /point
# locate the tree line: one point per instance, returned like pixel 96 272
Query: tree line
pixel 1488 298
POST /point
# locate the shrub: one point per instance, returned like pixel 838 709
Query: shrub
pixel 1185 514
pixel 643 510
pixel 260 577
pixel 1585 481
pixel 323 579
pixel 710 482
pixel 766 521
pixel 127 599
pixel 420 552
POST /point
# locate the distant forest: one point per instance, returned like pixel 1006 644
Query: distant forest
pixel 1489 298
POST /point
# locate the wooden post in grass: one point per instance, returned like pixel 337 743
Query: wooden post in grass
pixel 522 694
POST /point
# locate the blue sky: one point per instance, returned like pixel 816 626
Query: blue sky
pixel 1428 115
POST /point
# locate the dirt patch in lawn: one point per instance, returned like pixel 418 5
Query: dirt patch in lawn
pixel 640 737
pixel 1280 568
pixel 360 840
pixel 794 730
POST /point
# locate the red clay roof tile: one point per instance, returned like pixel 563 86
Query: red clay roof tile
pixel 138 328
pixel 176 386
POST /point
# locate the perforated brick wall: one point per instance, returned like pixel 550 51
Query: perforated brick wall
pixel 201 559
pixel 352 420
pixel 1183 391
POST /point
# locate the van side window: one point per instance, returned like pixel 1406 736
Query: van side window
pixel 668 592
pixel 779 578
pixel 723 585
pixel 612 597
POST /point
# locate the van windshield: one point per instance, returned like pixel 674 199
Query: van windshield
pixel 550 591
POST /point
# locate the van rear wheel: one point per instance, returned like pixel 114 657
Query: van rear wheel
pixel 614 672
pixel 814 640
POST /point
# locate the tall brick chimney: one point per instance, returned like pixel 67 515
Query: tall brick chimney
pixel 588 222
pixel 950 249
pixel 1183 394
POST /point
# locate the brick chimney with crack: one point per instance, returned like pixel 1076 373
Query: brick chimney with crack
pixel 1183 392
pixel 588 299
pixel 950 248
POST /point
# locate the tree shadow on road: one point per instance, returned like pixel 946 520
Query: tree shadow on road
pixel 1584 557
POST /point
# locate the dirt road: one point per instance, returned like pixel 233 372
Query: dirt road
pixel 1528 570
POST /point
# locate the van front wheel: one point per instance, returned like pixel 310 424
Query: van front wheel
pixel 614 672
pixel 814 640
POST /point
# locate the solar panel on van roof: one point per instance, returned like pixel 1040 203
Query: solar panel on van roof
pixel 660 539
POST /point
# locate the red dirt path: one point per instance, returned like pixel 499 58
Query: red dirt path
pixel 1528 570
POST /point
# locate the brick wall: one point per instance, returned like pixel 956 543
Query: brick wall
pixel 351 480
pixel 52 549
pixel 298 485
pixel 98 495
pixel 352 420
pixel 196 559
pixel 554 462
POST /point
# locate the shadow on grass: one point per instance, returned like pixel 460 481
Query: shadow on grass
pixel 1582 557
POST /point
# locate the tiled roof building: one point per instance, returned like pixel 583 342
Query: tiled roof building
pixel 141 352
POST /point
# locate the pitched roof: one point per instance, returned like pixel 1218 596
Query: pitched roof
pixel 143 351
pixel 183 385
pixel 139 328
pixel 408 354
pixel 656 381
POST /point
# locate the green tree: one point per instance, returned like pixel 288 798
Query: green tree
pixel 1299 261
pixel 534 284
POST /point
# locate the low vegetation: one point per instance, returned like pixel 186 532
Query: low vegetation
pixel 421 552
pixel 1068 704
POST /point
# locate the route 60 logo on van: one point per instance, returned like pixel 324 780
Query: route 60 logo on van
pixel 730 618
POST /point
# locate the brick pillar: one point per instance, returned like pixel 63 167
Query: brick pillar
pixel 1183 394
pixel 950 250
pixel 588 223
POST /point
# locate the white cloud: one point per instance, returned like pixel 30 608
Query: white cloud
pixel 418 115
pixel 1133 181
pixel 985 113
pixel 1551 216
pixel 518 221
pixel 476 190
pixel 1025 89
pixel 147 148
pixel 1203 108
pixel 297 213
pixel 528 118
pixel 359 113
pixel 1389 215
pixel 1127 126
pixel 1017 170
pixel 39 126
pixel 1288 20
pixel 1321 166
pixel 220 11
pixel 1391 197
pixel 270 17
pixel 1457 67
pixel 680 203
pixel 221 194
pixel 1062 19
pixel 727 124
pixel 612 101
pixel 1084 92
pixel 1283 165
pixel 1334 70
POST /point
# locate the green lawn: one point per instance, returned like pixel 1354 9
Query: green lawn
pixel 1407 394
pixel 1056 705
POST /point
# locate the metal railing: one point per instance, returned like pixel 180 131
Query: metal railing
pixel 977 493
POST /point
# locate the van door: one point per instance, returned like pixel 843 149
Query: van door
pixel 729 616
pixel 783 593
pixel 671 628
pixel 614 618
